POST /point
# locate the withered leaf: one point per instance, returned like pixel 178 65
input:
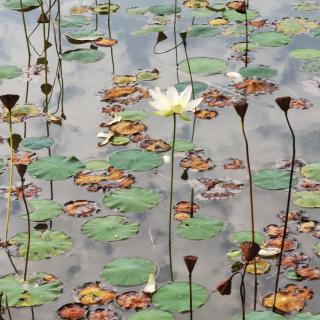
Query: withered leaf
pixel 81 208
pixel 133 300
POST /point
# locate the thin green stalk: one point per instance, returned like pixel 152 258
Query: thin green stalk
pixel 171 194
pixel 29 231
pixel 175 38
pixel 8 308
pixel 247 40
pixel 190 296
pixel 109 31
pixel 287 211
pixel 7 222
pixel 251 210
pixel 26 33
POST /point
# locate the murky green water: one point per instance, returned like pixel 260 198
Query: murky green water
pixel 220 138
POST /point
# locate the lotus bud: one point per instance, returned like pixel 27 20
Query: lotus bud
pixel 185 175
pixel 241 107
pixel 9 100
pixel 249 250
pixel 190 262
pixel 225 286
pixel 21 168
pixel 284 103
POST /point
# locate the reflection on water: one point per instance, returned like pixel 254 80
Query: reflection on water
pixel 72 108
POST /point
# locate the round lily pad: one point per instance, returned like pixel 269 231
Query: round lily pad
pixel 311 171
pixel 261 315
pixel 135 11
pixel 242 47
pixel 262 72
pixel 43 210
pixel 96 165
pixel 199 228
pixel 270 39
pixel 132 200
pixel 183 145
pixel 273 179
pixel 203 65
pixel 38 289
pixel 148 75
pixel 55 167
pixel 110 228
pixel 292 275
pixel 174 297
pixel 294 26
pixel 199 12
pixel 153 314
pixel 312 66
pixel 83 55
pixel 198 87
pixel 236 16
pixel 202 31
pixel 135 160
pixel 236 31
pixel 74 21
pixel 307 199
pixel 104 8
pixel 245 236
pixel 37 143
pixel 119 140
pixel 27 5
pixel 149 28
pixel 9 72
pixel 305 54
pixel 165 9
pixel 84 35
pixel 128 271
pixel 133 115
pixel 43 245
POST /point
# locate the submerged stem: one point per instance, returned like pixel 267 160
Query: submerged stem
pixel 287 211
pixel 171 194
pixel 251 210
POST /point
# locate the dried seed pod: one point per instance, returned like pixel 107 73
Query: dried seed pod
pixel 284 103
pixel 190 262
pixel 249 250
pixel 21 168
pixel 43 18
pixel 9 100
pixel 224 287
pixel 241 107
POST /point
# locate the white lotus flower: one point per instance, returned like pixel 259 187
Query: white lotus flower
pixel 173 102
pixel 234 76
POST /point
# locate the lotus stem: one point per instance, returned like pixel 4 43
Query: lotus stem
pixel 190 295
pixel 251 209
pixel 243 291
pixel 175 38
pixel 171 195
pixel 8 308
pixel 287 210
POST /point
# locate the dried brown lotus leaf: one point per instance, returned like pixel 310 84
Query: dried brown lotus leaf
pixel 307 226
pixel 185 207
pixel 214 98
pixel 289 244
pixel 125 95
pixel 125 79
pixel 233 164
pixel 106 42
pixel 127 127
pixel 133 300
pixel 73 311
pixel 307 185
pixel 300 104
pixel 255 86
pixel 273 230
pixel 293 216
pixel 196 162
pixel 262 267
pixel 30 191
pixel 103 314
pixel 25 157
pixel 206 114
pixel 258 23
pixel 155 145
pixel 81 208
pixel 111 110
pixel 292 260
pixel 285 302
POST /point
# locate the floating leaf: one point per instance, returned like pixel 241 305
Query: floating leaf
pixel 305 54
pixel 43 210
pixel 262 72
pixel 148 75
pixel 161 10
pixel 183 146
pixel 37 143
pixel 132 200
pixel 246 236
pixel 96 165
pixel 136 11
pixel 262 267
pixel 135 160
pixel 133 300
pixel 203 65
pixel 307 6
pixel 155 145
pixel 200 12
pixel 80 208
pixel 194 161
pixel 236 16
pixel 294 26
pixel 198 87
pixel 38 289
pixel 106 42
pixel 74 21
pixel 273 179
pixel 83 35
pixel 110 228
pixel 153 314
pixel 311 66
pixel 236 31
pixel 105 8
pixel 307 199
pixel 206 114
pixel 83 55
pixel 202 31
pixel 195 3
pixel 200 228
pixel 9 72
pixel 55 167
pixel 128 271
pixel 270 39
pixel 261 315
pixel 27 5
pixel 73 311
pixel 21 112
pixel 216 22
pixel 43 245
pixel 174 297
pixel 243 47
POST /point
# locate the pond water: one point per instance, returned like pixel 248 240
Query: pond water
pixel 77 105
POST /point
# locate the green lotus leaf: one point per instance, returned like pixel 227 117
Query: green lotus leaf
pixel 183 145
pixel 135 160
pixel 198 87
pixel 20 113
pixel 37 143
pixel 27 5
pixel 262 72
pixel 83 35
pixel 203 65
pixel 294 26
pixel 270 39
pixel 55 167
pixel 260 315
pixel 128 271
pixel 44 210
pixel 136 11
pixel 199 228
pixel 119 140
pixel 311 66
pixel 307 6
pixel 97 165
pixel 236 31
pixel 161 10
pixel 9 72
pixel 174 297
pixel 200 12
pixel 83 55
pixel 43 245
pixel 38 289
pixel 133 115
pixel 245 236
pixel 153 314
pixel 273 179
pixel 132 200
pixel 305 54
pixel 148 75
pixel 243 46
pixel 202 31
pixel 311 171
pixel 74 21
pixel 110 228
pixel 149 28
pixel 307 199
pixel 236 16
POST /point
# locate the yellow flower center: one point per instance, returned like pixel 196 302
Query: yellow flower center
pixel 177 108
